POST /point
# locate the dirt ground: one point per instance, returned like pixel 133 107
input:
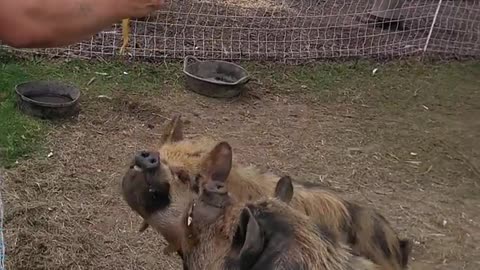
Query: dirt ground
pixel 419 167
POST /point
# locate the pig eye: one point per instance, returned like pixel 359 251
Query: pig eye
pixel 183 176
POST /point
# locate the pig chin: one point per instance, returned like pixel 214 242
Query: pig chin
pixel 145 191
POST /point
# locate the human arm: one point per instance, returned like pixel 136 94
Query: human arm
pixel 52 23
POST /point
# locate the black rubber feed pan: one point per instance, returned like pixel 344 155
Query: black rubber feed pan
pixel 218 79
pixel 47 99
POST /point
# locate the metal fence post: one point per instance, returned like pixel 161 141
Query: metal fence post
pixel 433 25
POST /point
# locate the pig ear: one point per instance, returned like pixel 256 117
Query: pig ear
pixel 173 132
pixel 284 189
pixel 249 240
pixel 218 164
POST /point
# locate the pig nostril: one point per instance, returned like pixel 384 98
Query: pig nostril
pixel 147 160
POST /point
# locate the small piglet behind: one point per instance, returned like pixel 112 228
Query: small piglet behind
pixel 222 233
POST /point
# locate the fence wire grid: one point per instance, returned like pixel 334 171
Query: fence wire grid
pixel 283 30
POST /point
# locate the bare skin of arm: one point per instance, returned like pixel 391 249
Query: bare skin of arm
pixel 52 23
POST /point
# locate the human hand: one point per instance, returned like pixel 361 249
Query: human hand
pixel 141 8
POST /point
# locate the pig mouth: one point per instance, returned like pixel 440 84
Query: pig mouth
pixel 137 168
pixel 150 177
pixel 152 193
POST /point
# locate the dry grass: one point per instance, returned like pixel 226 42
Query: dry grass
pixel 359 135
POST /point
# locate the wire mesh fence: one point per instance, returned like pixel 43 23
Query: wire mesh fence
pixel 283 30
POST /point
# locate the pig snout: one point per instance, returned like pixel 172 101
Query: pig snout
pixel 147 160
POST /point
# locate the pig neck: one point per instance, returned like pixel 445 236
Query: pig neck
pixel 167 223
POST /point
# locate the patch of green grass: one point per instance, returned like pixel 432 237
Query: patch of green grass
pixel 395 86
pixel 19 134
pixel 104 77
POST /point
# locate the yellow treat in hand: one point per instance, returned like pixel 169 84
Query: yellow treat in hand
pixel 125 34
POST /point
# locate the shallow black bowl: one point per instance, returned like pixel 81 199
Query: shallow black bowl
pixel 48 99
pixel 217 79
